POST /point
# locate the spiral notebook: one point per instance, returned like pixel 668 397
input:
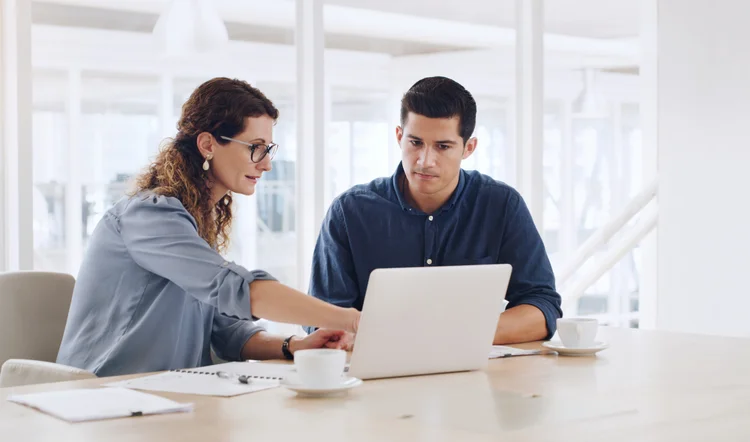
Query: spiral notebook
pixel 252 369
pixel 204 381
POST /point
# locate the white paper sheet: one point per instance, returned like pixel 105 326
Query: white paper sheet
pixel 98 403
pixel 501 351
pixel 207 384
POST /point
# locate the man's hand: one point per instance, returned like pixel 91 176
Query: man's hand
pixel 337 339
pixel 345 342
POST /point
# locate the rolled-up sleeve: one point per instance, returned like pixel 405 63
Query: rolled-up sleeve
pixel 162 237
pixel 532 281
pixel 229 335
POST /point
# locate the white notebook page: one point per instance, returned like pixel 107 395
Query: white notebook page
pixel 98 403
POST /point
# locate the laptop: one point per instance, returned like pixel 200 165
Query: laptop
pixel 428 320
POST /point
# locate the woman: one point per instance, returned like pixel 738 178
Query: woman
pixel 153 292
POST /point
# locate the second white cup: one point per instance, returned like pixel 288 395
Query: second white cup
pixel 577 332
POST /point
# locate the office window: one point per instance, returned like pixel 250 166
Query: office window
pixel 592 158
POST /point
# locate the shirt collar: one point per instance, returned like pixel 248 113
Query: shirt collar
pixel 450 204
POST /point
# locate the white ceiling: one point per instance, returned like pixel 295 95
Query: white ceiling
pixel 582 18
pixel 389 29
pixel 141 16
pixel 272 21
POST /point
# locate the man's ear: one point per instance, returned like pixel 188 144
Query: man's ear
pixel 469 147
pixel 205 144
pixel 399 135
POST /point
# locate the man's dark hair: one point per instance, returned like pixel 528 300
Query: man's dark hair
pixel 440 97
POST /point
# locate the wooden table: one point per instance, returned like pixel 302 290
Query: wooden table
pixel 648 386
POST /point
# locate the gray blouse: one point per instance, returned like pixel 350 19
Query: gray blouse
pixel 152 295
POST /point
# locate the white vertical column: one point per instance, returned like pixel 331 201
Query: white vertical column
pixel 4 248
pixel 330 162
pixel 310 133
pixel 243 245
pixel 618 294
pixel 74 187
pixel 15 61
pixel 530 104
pixel 625 153
pixel 511 153
pixel 166 105
pixel 647 296
pixel 568 219
pixel 568 224
pixel 250 235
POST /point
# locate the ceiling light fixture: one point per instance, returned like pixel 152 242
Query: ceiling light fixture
pixel 188 27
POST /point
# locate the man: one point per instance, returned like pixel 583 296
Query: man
pixel 433 213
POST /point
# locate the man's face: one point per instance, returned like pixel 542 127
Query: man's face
pixel 431 152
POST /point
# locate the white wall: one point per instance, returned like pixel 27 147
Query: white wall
pixel 704 166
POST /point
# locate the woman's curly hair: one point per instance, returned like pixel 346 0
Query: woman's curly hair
pixel 219 107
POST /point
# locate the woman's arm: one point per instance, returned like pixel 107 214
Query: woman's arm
pixel 162 238
pixel 276 302
pixel 263 346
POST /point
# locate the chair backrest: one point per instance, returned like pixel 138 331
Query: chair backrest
pixel 33 311
pixel 18 372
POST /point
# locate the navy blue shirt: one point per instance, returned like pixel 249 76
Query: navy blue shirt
pixel 371 226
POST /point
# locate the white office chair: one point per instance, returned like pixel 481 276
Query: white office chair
pixel 18 372
pixel 33 311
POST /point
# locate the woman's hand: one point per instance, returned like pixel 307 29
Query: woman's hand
pixel 338 339
pixel 352 324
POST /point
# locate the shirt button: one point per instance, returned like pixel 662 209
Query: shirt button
pixel 429 262
pixel 430 218
pixel 224 264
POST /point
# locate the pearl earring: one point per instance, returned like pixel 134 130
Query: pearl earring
pixel 226 200
pixel 207 166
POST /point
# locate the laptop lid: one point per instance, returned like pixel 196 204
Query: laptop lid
pixel 424 320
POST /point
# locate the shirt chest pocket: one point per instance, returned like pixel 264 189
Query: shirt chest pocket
pixel 463 261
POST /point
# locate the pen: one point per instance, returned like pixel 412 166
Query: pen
pixel 241 378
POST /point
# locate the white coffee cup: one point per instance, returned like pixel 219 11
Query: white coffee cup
pixel 320 368
pixel 577 332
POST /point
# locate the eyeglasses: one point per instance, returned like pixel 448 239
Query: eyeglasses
pixel 258 151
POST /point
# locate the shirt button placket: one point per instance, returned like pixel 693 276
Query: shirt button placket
pixel 429 239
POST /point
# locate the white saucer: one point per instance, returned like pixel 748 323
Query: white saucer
pixel 565 351
pixel 347 383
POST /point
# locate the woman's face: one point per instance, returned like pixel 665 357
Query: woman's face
pixel 232 168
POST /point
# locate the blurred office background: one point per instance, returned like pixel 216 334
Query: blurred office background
pixel 579 101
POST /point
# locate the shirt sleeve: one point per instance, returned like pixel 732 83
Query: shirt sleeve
pixel 229 335
pixel 333 277
pixel 532 281
pixel 162 237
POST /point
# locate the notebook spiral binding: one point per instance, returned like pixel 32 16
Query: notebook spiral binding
pixel 213 373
